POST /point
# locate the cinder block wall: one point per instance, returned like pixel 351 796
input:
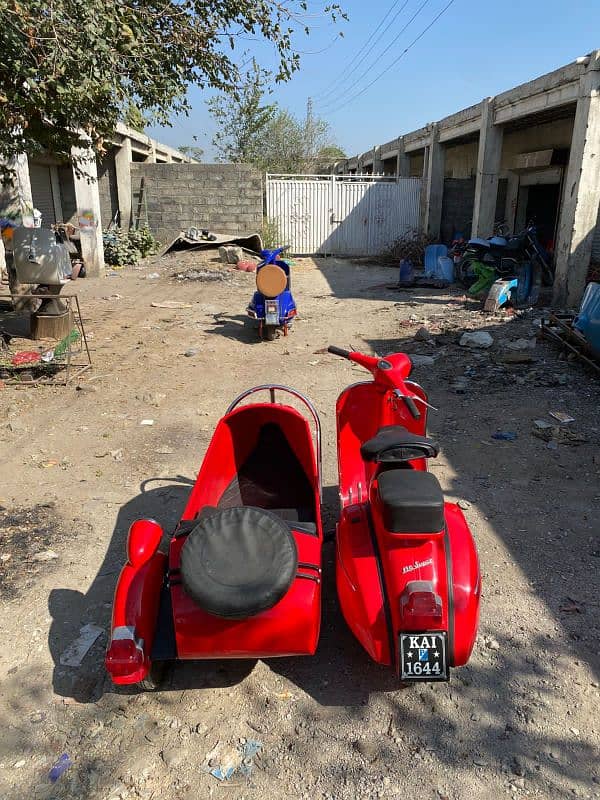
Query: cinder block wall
pixel 225 198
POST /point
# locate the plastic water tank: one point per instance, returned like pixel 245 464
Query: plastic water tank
pixel 588 319
pixel 445 269
pixel 432 253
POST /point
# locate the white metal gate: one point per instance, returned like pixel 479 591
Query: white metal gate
pixel 345 215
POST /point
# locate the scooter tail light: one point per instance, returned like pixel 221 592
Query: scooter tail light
pixel 125 654
pixel 419 601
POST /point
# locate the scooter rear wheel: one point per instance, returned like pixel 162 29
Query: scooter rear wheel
pixel 269 333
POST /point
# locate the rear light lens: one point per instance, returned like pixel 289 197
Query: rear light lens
pixel 124 657
pixel 424 604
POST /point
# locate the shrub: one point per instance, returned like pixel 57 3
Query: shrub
pixel 125 248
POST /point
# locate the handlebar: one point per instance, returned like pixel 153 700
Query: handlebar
pixel 389 373
pixel 337 351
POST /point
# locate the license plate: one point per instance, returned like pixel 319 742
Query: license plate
pixel 272 314
pixel 423 656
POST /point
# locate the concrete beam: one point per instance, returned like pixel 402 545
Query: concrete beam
pixel 488 166
pixel 87 199
pixel 377 161
pixel 434 185
pixel 417 140
pixel 123 159
pixel 581 201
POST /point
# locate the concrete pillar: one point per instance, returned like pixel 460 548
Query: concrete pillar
pixel 402 161
pixel 378 167
pixel 581 194
pixel 434 184
pixel 21 182
pixel 488 166
pixel 87 199
pixel 123 159
pixel 512 199
pixel 151 157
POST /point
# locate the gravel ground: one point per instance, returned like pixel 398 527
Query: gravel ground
pixel 76 467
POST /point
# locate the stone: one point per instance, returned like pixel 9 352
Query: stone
pixel 192 351
pixel 422 361
pixel 45 555
pixel 368 750
pixel 423 335
pixel 464 504
pixel 521 344
pixel 478 339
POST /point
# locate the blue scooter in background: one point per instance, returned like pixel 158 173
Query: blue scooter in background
pixel 272 304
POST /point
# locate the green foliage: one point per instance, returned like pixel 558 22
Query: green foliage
pixel 192 151
pixel 241 117
pixel 272 139
pixel 70 69
pixel 125 248
pixel 270 233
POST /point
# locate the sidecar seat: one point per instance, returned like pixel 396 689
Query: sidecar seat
pixel 395 444
pixel 239 561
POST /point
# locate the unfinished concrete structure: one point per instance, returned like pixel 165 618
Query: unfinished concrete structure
pixel 530 152
pixel 91 197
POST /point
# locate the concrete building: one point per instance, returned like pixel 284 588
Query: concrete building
pixel 100 191
pixel 530 152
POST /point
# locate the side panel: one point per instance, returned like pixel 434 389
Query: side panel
pixel 359 584
pixel 466 584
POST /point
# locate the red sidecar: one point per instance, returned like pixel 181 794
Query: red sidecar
pixel 407 570
pixel 240 577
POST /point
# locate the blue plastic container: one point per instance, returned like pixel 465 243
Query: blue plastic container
pixel 432 253
pixel 588 319
pixel 406 271
pixel 445 269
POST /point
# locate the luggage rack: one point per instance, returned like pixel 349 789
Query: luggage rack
pixel 28 362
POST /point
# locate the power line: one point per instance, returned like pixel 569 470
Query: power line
pixel 378 59
pixel 344 74
pixel 396 60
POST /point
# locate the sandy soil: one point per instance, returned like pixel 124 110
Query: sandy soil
pixel 76 467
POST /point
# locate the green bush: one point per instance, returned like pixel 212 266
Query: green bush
pixel 270 233
pixel 125 248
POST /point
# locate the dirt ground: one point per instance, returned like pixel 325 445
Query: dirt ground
pixel 76 467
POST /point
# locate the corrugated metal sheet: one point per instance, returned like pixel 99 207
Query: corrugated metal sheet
pixel 342 215
pixel 41 191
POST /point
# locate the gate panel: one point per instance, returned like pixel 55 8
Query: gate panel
pixel 342 215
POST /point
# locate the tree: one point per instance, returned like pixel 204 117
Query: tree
pixel 288 144
pixel 70 68
pixel 241 117
pixel 193 151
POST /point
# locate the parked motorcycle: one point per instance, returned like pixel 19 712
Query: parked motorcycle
pixel 407 570
pixel 504 255
pixel 272 304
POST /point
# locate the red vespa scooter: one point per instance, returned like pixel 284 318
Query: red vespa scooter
pixel 407 571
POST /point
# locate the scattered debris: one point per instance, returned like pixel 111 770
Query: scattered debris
pixel 77 650
pixel 542 424
pixel 147 422
pixel 190 352
pixel 521 344
pixel 505 436
pixel 203 275
pixel 516 357
pixel 59 767
pixel 560 435
pixel 423 335
pixel 464 504
pixel 223 760
pixel 45 555
pixel 152 276
pixel 170 304
pixel 561 416
pixel 481 339
pixel 230 254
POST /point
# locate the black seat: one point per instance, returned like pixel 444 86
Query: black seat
pixel 238 562
pixel 412 501
pixel 394 443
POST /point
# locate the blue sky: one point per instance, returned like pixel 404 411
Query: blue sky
pixel 477 48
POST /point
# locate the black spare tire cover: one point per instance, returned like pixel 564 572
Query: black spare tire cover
pixel 238 562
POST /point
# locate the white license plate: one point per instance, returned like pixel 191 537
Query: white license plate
pixel 272 314
pixel 423 656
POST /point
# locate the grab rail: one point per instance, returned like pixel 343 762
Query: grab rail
pixel 272 388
